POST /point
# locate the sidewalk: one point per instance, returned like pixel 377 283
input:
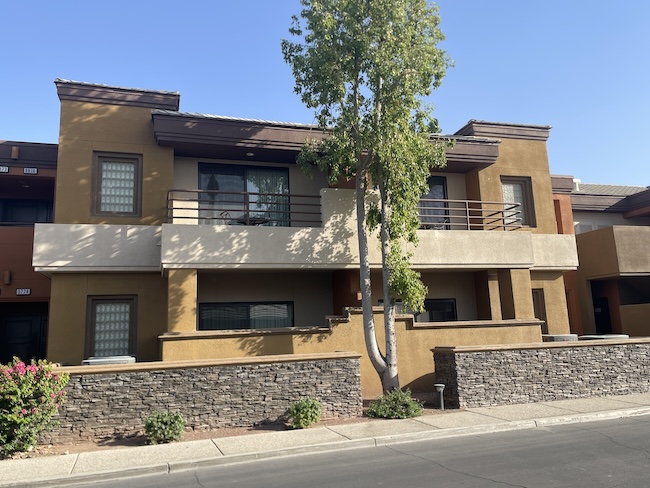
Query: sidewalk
pixel 86 467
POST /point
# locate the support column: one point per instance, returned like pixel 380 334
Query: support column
pixel 494 295
pixel 516 294
pixel 182 290
pixel 488 300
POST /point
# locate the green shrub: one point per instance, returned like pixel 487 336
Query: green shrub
pixel 395 404
pixel 163 427
pixel 30 395
pixel 304 413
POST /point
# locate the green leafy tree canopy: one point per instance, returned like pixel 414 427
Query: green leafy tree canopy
pixel 365 67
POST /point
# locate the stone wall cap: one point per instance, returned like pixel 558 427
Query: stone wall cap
pixel 540 345
pixel 167 365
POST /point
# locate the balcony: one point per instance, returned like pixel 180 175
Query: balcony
pixel 214 207
pixel 439 214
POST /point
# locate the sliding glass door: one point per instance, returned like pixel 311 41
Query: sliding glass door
pixel 244 195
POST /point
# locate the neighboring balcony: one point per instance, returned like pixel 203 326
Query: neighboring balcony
pixel 620 250
pixel 445 214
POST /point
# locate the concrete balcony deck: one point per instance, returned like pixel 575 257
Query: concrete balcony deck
pixel 615 251
pixel 332 245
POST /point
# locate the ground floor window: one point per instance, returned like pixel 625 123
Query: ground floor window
pixel 245 315
pixel 435 310
pixel 111 326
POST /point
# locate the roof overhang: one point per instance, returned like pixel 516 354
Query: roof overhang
pixel 210 136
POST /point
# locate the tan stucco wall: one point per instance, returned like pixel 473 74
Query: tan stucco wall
pixel 520 157
pixel 552 282
pixel 92 127
pixel 632 244
pixel 182 300
pixel 68 311
pixel 415 360
pixel 634 319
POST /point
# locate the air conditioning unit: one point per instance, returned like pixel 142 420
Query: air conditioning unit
pixel 98 361
pixel 594 337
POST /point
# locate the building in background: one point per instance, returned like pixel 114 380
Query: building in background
pixel 183 236
pixel 612 283
pixel 27 174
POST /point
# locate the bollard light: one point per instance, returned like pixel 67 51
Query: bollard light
pixel 440 388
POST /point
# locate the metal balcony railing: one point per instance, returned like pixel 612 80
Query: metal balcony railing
pixel 216 207
pixel 439 214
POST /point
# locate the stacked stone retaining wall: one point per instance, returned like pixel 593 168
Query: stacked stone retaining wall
pixel 114 401
pixel 499 375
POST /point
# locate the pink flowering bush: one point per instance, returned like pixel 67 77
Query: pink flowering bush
pixel 30 395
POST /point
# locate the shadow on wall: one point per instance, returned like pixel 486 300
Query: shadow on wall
pixel 332 246
pixel 104 246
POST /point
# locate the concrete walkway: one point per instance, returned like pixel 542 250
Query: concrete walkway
pixel 115 463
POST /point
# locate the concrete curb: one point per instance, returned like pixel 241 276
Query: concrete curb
pixel 379 441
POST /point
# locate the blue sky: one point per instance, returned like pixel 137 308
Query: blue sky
pixel 581 67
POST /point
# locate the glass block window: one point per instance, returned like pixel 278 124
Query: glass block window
pixel 111 327
pixel 117 184
pixel 249 315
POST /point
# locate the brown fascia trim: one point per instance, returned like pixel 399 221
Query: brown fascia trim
pixel 468 153
pixel 174 128
pixel 482 128
pixel 115 95
pixel 32 154
pixel 177 128
pixel 636 205
pixel 562 184
pixel 599 203
pixel 639 205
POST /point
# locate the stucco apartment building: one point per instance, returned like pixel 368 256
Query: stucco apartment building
pixel 27 172
pixel 184 236
pixel 610 291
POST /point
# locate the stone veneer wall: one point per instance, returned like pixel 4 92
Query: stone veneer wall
pixel 499 375
pixel 114 400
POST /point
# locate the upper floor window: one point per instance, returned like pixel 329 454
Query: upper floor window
pixel 117 180
pixel 518 189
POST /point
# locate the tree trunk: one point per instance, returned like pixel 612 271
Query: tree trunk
pixel 364 272
pixel 390 379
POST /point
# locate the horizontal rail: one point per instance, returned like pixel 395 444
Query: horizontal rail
pixel 444 214
pixel 216 207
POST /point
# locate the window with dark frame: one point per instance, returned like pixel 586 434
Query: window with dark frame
pixel 244 195
pixel 25 211
pixel 435 310
pixel 111 327
pixel 245 315
pixel 519 189
pixel 117 182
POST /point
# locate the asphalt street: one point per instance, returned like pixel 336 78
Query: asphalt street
pixel 608 453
